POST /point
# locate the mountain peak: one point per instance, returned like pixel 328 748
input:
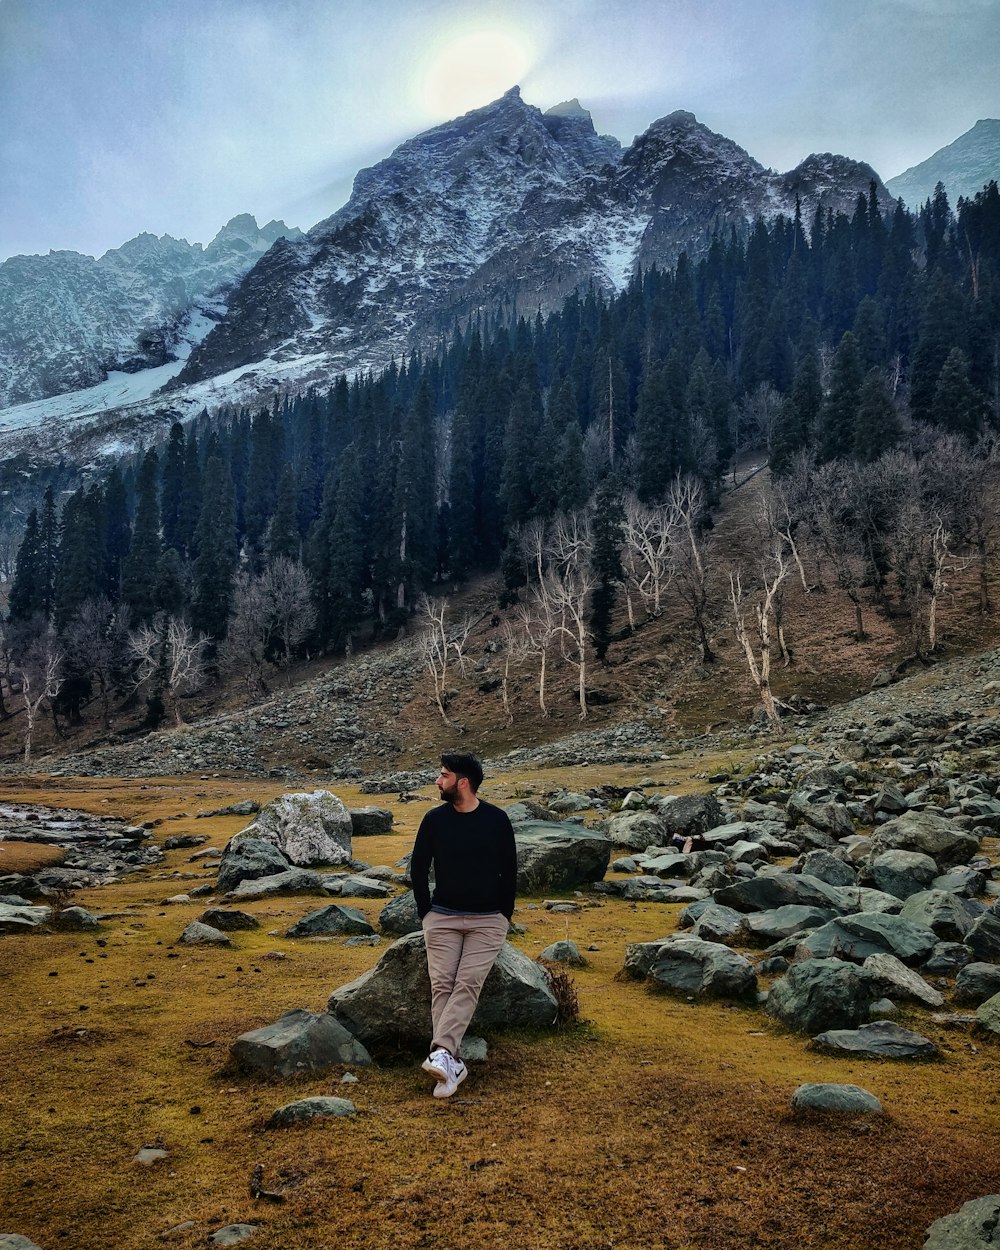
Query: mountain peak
pixel 569 108
pixel 965 166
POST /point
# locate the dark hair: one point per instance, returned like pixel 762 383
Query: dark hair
pixel 464 766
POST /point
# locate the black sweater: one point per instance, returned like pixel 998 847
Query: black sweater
pixel 474 857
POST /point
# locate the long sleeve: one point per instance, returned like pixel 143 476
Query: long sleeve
pixel 420 867
pixel 508 869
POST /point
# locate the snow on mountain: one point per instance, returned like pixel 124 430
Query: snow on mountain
pixel 965 167
pixel 507 208
pixel 66 319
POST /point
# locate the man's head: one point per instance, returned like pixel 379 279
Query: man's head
pixel 460 777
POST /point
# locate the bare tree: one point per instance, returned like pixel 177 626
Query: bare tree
pixel 435 643
pixel 39 674
pixel 923 560
pixel 97 643
pixel 650 534
pixel 515 652
pixel 686 504
pixel 286 588
pixel 170 647
pixel 774 572
pixel 247 634
pixel 755 414
pixel 540 625
pixel 837 532
pixel 570 594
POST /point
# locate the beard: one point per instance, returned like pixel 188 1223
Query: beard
pixel 450 794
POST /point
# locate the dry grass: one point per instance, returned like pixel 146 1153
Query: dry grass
pixel 654 1123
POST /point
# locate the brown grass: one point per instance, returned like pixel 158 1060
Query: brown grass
pixel 654 1123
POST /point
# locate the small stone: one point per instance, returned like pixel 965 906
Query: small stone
pixel 232 1234
pixel 311 1109
pixel 149 1155
pixel 830 1097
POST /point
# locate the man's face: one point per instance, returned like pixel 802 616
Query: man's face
pixel 447 784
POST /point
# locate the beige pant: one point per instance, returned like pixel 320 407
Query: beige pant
pixel 461 950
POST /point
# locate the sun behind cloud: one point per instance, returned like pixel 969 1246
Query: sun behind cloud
pixel 471 69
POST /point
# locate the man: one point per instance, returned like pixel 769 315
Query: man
pixel 471 845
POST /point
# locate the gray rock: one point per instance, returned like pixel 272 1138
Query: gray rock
pixel 647 890
pixel 333 919
pixel 743 852
pixel 782 922
pixel 310 829
pixel 765 893
pixel 23 919
pixel 857 937
pixel 689 814
pixel 880 1040
pixel 527 809
pixel 316 1108
pixel 850 1099
pixel 228 919
pixel 553 855
pixel 988 1015
pixel 929 834
pixel 720 924
pixel 946 959
pixel 391 1002
pixel 355 885
pixel 821 994
pixel 773 966
pixel 890 800
pixel 568 801
pixel 77 919
pixel 198 934
pixel 245 807
pixel 148 1156
pixel 983 937
pixel 828 817
pixel 184 841
pixel 292 881
pixel 687 965
pixel 624 863
pixel 670 864
pixel 971 1228
pixel 825 866
pixel 859 898
pixel 369 821
pixel 976 983
pixel 564 952
pixel 901 873
pixel 299 1042
pixel 400 916
pixel 962 880
pixel 473 1049
pixel 232 1234
pixel 14 1241
pixel 735 831
pixel 892 977
pixel 949 915
pixel 636 830
pixel 247 859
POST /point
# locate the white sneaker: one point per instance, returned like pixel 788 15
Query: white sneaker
pixel 457 1072
pixel 436 1064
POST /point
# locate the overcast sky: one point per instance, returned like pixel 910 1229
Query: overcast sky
pixel 119 116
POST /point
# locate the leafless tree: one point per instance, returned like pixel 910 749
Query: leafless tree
pixel 435 643
pixel 97 642
pixel 793 508
pixel 515 652
pixel 170 646
pixel 570 593
pixel 286 588
pixel 650 533
pixel 922 558
pixel 249 628
pixel 540 625
pixel 686 504
pixel 769 521
pixel 755 415
pixel 531 540
pixel 773 573
pixel 837 532
pixel 38 670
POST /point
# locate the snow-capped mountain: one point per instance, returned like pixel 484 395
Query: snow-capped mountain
pixel 67 319
pixel 965 167
pixel 505 207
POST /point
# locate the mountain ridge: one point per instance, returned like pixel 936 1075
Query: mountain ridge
pixel 964 166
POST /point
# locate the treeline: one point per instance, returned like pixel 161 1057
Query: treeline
pixel 289 528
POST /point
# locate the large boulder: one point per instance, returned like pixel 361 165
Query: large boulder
pixel 228 920
pixel 850 1099
pixel 971 1228
pixel 901 873
pixel 369 821
pixel 779 889
pixel 983 937
pixel 880 1040
pixel 245 859
pixel 687 965
pixel 783 922
pixel 821 994
pixel 689 814
pixel 333 919
pixel 310 829
pixel 892 978
pixel 825 866
pixel 949 915
pixel 869 933
pixel 400 916
pixel 928 833
pixel 636 830
pixel 828 817
pixel 198 934
pixel 640 957
pixel 299 1042
pixel 720 924
pixel 976 983
pixel 291 881
pixel 553 855
pixel 390 1004
pixel 26 919
pixel 988 1015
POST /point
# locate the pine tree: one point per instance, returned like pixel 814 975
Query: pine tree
pixel 139 570
pixel 283 531
pixel 957 407
pixel 518 464
pixel 838 414
pixel 570 470
pixel 877 428
pixel 605 562
pixel 27 587
pixel 78 576
pixel 461 499
pixel 116 533
pixel 215 564
pixel 173 488
pixel 346 551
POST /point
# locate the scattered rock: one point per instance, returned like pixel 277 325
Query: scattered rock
pixel 229 920
pixel 892 977
pixel 247 859
pixel 881 1040
pixel 232 1234
pixel 688 965
pixel 369 821
pixel 149 1155
pixel 292 881
pixel 988 1015
pixel 970 1228
pixel 309 829
pixel 333 919
pixel 400 916
pixel 198 934
pixel 299 1042
pixel 306 1109
pixel 821 994
pixel 564 952
pixel 851 1099
pixel 976 983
